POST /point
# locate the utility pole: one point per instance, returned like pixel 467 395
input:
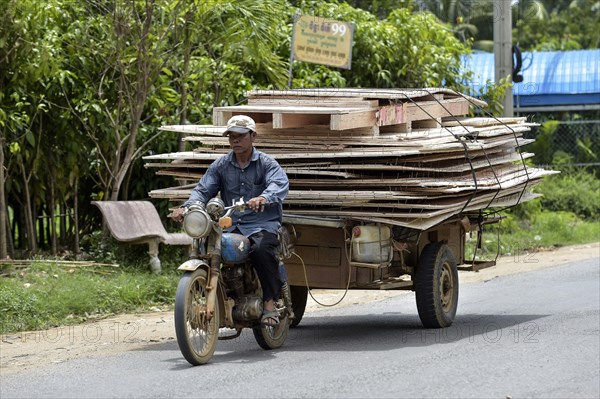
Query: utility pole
pixel 503 49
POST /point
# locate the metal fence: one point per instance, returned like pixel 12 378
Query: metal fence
pixel 576 143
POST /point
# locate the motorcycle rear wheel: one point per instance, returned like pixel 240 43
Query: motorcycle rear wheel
pixel 196 333
pixel 299 298
pixel 272 337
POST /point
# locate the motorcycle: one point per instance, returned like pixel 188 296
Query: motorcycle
pixel 220 288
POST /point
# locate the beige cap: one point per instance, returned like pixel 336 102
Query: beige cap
pixel 241 124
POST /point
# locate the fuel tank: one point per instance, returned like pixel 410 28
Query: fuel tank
pixel 234 248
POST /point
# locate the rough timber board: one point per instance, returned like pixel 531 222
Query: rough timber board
pixel 424 110
pixel 501 130
pixel 175 164
pixel 414 223
pixel 209 130
pixel 466 182
pixel 391 94
pixel 412 111
pixel 386 213
pixel 270 109
pixel 365 204
pixel 511 197
pixel 354 120
pixel 351 153
pixel 196 175
pixel 413 204
pixel 483 121
pixel 455 167
pixel 310 101
pixel 308 142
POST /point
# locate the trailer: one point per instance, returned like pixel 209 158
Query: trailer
pixel 346 254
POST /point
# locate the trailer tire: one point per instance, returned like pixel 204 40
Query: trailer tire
pixel 436 286
pixel 299 295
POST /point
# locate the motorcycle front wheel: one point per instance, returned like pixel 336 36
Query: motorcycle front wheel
pixel 197 332
pixel 272 337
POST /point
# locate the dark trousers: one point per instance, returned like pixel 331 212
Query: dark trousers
pixel 266 264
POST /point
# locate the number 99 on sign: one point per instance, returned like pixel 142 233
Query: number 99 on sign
pixel 338 29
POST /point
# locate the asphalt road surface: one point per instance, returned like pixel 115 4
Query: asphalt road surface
pixel 533 334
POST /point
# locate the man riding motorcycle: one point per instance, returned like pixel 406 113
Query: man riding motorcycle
pixel 245 172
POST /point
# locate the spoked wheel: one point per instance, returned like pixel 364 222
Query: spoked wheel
pixel 436 286
pixel 273 337
pixel 299 296
pixel 197 332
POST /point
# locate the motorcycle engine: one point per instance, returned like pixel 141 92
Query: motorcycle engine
pixel 248 308
pixel 233 277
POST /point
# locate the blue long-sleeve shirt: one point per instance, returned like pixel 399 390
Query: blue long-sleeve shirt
pixel 262 177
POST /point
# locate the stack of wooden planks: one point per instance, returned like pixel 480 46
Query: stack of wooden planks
pixel 408 157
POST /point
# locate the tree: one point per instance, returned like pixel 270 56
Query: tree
pixel 566 25
pixel 126 77
pixel 380 8
pixel 27 66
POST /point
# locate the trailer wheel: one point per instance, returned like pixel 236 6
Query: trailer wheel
pixel 436 286
pixel 299 295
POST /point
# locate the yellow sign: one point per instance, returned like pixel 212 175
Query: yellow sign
pixel 322 41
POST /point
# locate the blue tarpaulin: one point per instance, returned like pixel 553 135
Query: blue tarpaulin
pixel 550 78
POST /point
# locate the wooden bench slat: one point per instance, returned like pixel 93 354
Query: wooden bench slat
pixel 138 222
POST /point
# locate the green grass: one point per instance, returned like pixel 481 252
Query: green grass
pixel 46 295
pixel 550 229
pixel 544 230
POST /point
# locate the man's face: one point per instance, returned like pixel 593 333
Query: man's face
pixel 241 143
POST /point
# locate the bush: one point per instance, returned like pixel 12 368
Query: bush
pixel 515 235
pixel 577 192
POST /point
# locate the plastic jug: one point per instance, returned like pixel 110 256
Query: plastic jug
pixel 371 244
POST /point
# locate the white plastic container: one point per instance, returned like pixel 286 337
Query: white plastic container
pixel 371 244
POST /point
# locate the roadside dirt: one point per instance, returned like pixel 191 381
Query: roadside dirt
pixel 32 349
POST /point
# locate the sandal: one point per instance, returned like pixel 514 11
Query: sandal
pixel 270 318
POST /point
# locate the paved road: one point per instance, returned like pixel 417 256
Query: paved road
pixel 530 335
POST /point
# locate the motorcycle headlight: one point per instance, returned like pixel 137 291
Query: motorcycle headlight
pixel 197 224
pixel 215 207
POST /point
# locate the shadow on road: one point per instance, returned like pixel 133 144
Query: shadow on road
pixel 391 330
pixel 374 332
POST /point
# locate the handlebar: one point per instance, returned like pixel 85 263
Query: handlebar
pixel 216 208
pixel 240 205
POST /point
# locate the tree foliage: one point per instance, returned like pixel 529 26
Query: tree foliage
pixel 566 25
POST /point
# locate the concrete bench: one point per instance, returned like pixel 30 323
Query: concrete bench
pixel 138 222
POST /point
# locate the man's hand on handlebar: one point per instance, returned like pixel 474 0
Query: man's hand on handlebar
pixel 257 204
pixel 177 214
